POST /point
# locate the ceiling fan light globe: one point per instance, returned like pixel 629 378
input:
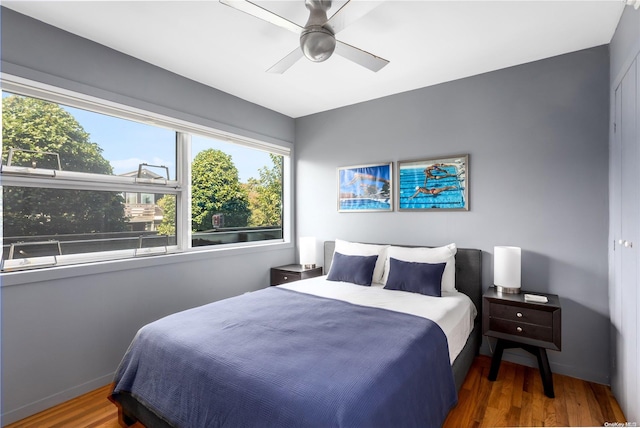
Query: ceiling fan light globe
pixel 317 44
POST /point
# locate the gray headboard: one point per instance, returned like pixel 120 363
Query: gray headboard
pixel 468 271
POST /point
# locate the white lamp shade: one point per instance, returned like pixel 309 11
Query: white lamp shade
pixel 307 247
pixel 507 266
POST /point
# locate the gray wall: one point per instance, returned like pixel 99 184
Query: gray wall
pixel 537 138
pixel 63 337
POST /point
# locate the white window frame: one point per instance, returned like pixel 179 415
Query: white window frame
pixel 180 187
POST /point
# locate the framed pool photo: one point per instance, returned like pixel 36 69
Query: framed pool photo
pixel 434 184
pixel 365 188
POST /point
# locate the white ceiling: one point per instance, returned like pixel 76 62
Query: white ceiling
pixel 426 42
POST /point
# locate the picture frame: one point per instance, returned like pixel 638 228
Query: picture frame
pixel 366 188
pixel 434 184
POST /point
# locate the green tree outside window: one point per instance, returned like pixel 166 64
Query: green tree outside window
pixel 41 126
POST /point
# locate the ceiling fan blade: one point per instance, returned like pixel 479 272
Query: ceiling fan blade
pixel 360 57
pixel 285 63
pixel 262 13
pixel 350 12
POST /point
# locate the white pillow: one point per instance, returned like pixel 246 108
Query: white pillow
pixel 357 249
pixel 444 254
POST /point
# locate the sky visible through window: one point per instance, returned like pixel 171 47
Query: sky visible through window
pixel 130 143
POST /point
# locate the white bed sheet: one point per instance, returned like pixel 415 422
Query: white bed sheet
pixel 454 312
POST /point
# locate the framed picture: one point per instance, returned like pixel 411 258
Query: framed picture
pixel 434 184
pixel 365 188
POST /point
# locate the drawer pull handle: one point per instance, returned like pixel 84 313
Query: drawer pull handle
pixel 286 277
pixel 519 314
pixel 519 329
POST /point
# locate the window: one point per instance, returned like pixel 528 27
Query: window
pixel 236 193
pixel 85 180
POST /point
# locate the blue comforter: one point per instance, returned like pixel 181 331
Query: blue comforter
pixel 279 358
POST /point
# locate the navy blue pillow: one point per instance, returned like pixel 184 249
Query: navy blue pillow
pixel 354 269
pixel 423 278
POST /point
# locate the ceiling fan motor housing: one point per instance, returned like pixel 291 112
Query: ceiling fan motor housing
pixel 317 40
pixel 317 43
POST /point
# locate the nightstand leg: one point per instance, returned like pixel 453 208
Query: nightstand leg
pixel 545 372
pixel 495 360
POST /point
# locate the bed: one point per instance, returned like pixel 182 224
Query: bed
pixel 318 352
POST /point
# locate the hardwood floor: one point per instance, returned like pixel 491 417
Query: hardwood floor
pixel 92 409
pixel 516 398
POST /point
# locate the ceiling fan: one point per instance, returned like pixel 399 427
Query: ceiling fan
pixel 317 38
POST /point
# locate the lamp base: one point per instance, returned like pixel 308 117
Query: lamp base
pixel 507 290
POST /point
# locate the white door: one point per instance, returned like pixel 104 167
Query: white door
pixel 615 294
pixel 628 243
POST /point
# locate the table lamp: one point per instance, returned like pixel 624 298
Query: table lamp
pixel 307 247
pixel 506 269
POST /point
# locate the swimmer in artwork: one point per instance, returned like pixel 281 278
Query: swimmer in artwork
pixel 431 192
pixel 371 190
pixel 361 177
pixel 436 167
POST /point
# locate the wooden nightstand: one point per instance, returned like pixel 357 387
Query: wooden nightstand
pixel 290 273
pixel 516 323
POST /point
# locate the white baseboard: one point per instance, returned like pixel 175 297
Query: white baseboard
pixel 15 415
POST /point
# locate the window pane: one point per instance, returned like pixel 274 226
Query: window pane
pixel 131 198
pixel 40 131
pixel 36 219
pixel 236 193
pixel 147 198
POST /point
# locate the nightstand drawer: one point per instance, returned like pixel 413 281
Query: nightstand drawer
pixel 521 329
pixel 279 277
pixel 290 273
pixel 520 314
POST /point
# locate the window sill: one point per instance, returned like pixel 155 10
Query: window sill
pixel 53 273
